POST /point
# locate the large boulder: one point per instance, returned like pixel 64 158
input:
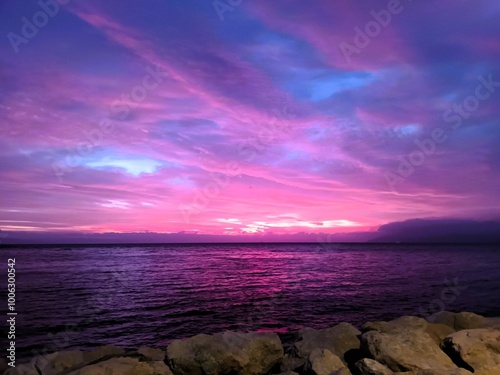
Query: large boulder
pixel 292 363
pixel 342 371
pixel 225 353
pixel 22 369
pixel 152 354
pixel 436 331
pixel 406 350
pixel 58 362
pixel 457 371
pixel 475 349
pixel 463 320
pixel 124 366
pixel 324 362
pixel 368 366
pixel 101 352
pixel 338 340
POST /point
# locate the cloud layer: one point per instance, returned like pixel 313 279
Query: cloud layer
pixel 165 118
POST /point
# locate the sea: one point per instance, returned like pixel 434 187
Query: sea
pixel 81 297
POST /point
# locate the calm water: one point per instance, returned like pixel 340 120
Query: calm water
pixel 136 296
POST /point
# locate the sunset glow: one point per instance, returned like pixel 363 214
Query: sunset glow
pixel 179 118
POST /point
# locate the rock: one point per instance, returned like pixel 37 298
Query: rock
pixel 342 371
pixel 324 362
pixel 103 352
pixel 58 362
pixel 124 366
pixel 477 350
pixel 23 369
pixel 292 363
pixel 151 354
pixel 458 371
pixel 338 340
pixel 370 367
pixel 468 320
pixel 437 331
pixel 3 365
pixel 404 322
pixel 288 373
pixel 464 320
pixel 225 353
pixel 443 317
pixel 406 350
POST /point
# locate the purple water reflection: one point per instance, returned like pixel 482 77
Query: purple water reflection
pixel 146 296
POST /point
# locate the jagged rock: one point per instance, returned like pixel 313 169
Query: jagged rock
pixel 292 363
pixel 55 363
pixel 443 317
pixel 63 361
pixel 152 354
pixel 324 362
pixel 23 369
pixel 403 322
pixel 103 352
pixel 406 350
pixel 477 350
pixel 3 365
pixel 464 320
pixel 457 371
pixel 225 353
pixel 338 340
pixel 371 367
pixel 342 371
pixel 124 366
pixel 435 330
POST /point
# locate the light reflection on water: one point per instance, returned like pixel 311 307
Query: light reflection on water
pixel 147 295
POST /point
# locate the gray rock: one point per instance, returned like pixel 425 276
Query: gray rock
pixel 342 371
pixel 458 371
pixel 368 366
pixel 106 351
pixel 3 365
pixel 478 350
pixel 324 362
pixel 443 317
pixel 464 320
pixel 152 354
pixel 23 369
pixel 437 331
pixel 338 340
pixel 292 363
pixel 406 350
pixel 288 373
pixel 124 366
pixel 225 353
pixel 58 362
pixel 404 322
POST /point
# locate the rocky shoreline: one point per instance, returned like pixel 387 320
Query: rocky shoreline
pixel 443 344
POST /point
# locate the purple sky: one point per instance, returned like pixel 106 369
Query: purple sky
pixel 270 117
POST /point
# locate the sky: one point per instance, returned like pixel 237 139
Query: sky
pixel 238 117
